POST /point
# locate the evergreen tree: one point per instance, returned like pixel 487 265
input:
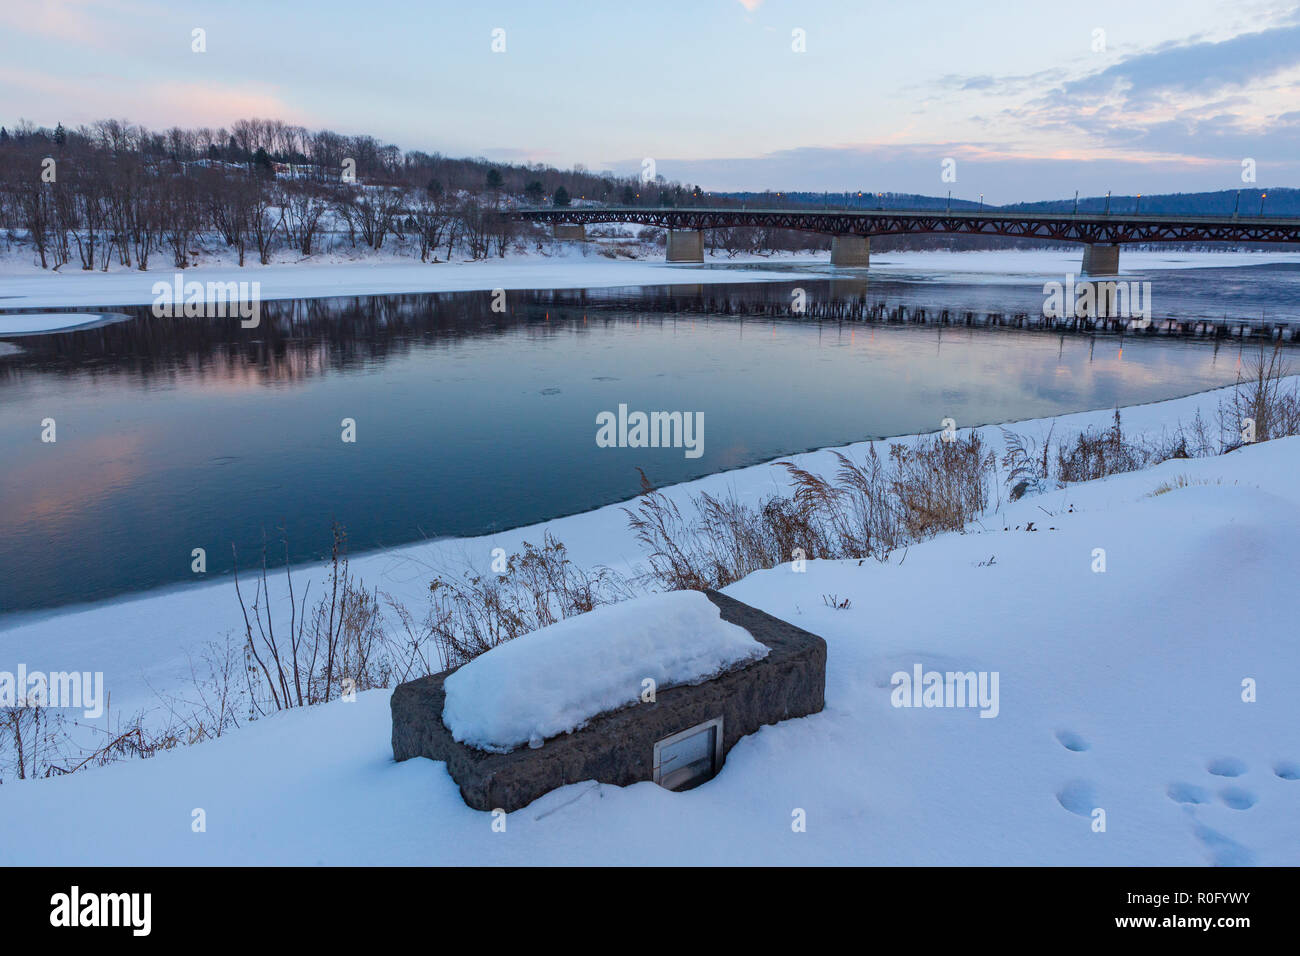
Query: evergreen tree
pixel 494 180
pixel 60 135
pixel 561 197
pixel 262 162
pixel 535 192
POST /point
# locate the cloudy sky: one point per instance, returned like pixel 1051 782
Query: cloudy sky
pixel 1031 98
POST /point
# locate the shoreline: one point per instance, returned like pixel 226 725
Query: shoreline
pixel 24 287
pixel 142 640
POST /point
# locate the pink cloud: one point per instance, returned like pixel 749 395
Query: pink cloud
pixel 88 98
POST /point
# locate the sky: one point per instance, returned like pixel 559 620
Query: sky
pixel 1028 99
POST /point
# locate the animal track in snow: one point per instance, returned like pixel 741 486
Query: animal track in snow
pixel 1072 741
pixel 1226 767
pixel 1237 798
pixel 1287 769
pixel 1224 851
pixel 1078 796
pixel 1188 793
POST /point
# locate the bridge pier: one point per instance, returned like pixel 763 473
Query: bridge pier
pixel 570 230
pixel 685 245
pixel 1100 260
pixel 851 251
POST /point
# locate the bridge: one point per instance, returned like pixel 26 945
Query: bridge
pixel 851 230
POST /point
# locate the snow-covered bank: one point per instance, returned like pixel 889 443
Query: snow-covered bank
pixel 386 276
pixel 1119 691
pixel 38 323
pixel 23 286
pixel 1034 265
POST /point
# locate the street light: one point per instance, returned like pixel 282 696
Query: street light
pixel 1262 197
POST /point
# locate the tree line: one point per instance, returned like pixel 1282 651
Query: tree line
pixel 117 192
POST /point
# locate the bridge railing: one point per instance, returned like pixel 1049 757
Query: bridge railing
pixel 1000 213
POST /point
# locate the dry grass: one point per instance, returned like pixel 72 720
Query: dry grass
pixel 1181 481
pixel 337 649
pixel 1098 453
pixel 866 509
pixel 940 485
pixel 1262 397
pixel 472 612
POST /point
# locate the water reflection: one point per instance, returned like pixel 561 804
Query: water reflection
pixel 182 433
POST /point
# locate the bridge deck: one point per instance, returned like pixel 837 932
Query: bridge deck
pixel 1066 227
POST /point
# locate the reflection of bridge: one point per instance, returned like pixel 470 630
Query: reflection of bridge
pixel 1101 234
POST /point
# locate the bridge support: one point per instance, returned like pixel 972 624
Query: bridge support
pixel 570 230
pixel 685 245
pixel 851 251
pixel 1099 260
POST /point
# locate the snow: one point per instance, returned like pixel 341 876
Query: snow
pixel 572 265
pixel 1119 691
pixel 33 323
pixel 1033 266
pixel 335 276
pixel 554 680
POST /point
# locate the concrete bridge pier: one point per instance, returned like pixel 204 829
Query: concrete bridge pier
pixel 851 251
pixel 685 245
pixel 570 230
pixel 1100 260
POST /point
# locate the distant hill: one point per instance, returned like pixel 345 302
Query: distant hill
pixel 1281 201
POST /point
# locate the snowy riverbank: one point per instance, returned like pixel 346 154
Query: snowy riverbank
pixel 1120 691
pixel 23 286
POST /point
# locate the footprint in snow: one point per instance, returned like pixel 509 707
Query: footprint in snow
pixel 1072 741
pixel 1188 793
pixel 1287 770
pixel 1226 767
pixel 1237 798
pixel 1078 796
pixel 1224 851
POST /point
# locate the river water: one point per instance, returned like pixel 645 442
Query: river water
pixel 177 434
